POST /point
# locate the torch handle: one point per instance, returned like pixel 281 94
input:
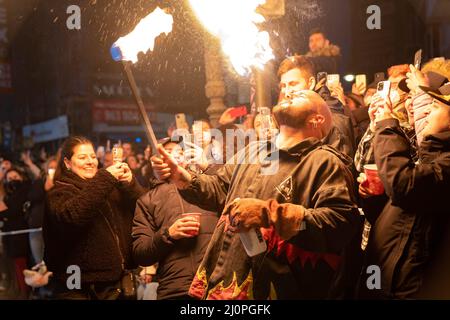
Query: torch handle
pixel 147 124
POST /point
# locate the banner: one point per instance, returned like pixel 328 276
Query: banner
pixel 116 116
pixel 47 131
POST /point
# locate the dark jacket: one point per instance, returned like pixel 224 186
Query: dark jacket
pixel 177 261
pixel 341 136
pixel 362 122
pixel 407 234
pixel 326 59
pixel 310 175
pixel 37 198
pixel 88 224
pixel 14 219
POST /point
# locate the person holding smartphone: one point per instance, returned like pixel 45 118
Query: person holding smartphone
pixel 88 224
pixel 410 229
pixel 365 150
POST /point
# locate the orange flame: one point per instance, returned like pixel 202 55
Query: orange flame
pixel 199 284
pixel 234 22
pixel 142 38
pixel 233 291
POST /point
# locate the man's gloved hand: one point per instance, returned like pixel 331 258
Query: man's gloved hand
pixel 286 218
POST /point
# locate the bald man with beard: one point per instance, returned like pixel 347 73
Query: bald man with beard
pixel 305 210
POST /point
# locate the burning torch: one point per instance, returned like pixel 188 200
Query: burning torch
pixel 235 23
pixel 126 50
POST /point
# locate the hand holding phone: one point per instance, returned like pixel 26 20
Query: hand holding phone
pixel 360 84
pixel 333 80
pixel 51 173
pixel 180 120
pixel 321 76
pixel 117 153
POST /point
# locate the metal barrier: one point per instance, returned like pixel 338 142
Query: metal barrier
pixel 13 233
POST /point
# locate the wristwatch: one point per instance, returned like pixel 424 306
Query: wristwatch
pixel 167 235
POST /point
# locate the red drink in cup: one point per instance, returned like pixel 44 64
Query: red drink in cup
pixel 196 216
pixel 373 182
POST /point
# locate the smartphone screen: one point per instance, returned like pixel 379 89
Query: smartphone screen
pixel 333 80
pixel 361 80
pixel 180 121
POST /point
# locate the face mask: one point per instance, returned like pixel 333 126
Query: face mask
pixel 13 186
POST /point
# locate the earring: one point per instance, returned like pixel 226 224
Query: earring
pixel 315 124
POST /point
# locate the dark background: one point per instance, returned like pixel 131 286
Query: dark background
pixel 57 71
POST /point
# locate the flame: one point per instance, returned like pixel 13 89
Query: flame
pixel 233 291
pixel 142 38
pixel 234 23
pixel 199 284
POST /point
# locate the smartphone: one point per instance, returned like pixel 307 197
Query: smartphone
pixel 379 76
pixel 383 88
pixel 238 112
pixel 180 120
pixel 361 80
pixel 117 153
pixel 266 119
pixel 418 59
pixel 333 80
pixel 321 75
pixel 51 173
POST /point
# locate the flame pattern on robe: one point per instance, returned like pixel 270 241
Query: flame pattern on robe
pixel 233 291
pixel 278 246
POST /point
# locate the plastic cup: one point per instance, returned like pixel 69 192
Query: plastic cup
pixel 373 183
pixel 197 218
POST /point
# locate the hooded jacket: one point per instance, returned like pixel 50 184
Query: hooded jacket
pixel 310 175
pixel 408 233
